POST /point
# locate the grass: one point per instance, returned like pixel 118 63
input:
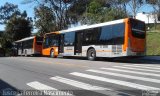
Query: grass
pixel 153 43
pixel 154 27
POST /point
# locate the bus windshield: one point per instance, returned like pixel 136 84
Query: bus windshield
pixel 51 40
pixel 138 29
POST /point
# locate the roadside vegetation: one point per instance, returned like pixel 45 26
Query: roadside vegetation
pixel 153 41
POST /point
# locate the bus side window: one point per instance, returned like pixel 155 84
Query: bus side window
pixel 118 33
pixel 69 39
pixel 106 35
pixel 91 36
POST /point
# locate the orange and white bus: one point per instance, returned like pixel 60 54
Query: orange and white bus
pixel 51 43
pixel 124 37
pixel 29 46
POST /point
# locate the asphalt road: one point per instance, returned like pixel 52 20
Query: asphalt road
pixel 79 77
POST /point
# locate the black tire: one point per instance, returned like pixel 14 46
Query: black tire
pixel 91 54
pixel 52 53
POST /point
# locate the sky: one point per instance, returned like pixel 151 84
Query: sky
pixel 29 8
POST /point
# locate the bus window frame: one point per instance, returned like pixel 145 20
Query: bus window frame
pixel 50 36
pixel 137 32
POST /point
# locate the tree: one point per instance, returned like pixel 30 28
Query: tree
pixel 135 6
pixel 7 11
pixel 18 28
pixel 120 5
pixel 103 11
pixel 77 10
pixel 156 6
pixel 44 20
pixel 53 15
pixel 58 9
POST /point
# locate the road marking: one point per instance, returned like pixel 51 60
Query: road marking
pixel 39 86
pixel 78 84
pixel 47 90
pixel 142 66
pixel 90 87
pixel 134 72
pixel 125 76
pixel 118 82
pixel 136 69
pixel 153 65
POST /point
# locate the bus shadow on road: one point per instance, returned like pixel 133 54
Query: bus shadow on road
pixel 134 60
pixel 7 89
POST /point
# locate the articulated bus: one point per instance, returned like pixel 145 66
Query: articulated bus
pixel 124 37
pixel 29 46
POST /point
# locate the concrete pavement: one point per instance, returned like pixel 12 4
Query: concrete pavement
pixel 78 77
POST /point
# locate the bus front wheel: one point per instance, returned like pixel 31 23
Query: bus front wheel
pixel 91 54
pixel 52 54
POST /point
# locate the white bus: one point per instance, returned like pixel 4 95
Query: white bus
pixel 124 37
pixel 29 46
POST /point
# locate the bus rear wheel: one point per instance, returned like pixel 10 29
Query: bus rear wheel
pixel 91 54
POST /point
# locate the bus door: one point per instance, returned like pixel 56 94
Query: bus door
pixel 61 44
pixel 78 43
pixel 22 48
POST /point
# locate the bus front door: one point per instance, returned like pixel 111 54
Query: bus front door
pixel 78 43
pixel 61 44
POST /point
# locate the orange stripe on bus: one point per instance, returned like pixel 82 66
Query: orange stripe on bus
pixel 103 50
pixel 69 50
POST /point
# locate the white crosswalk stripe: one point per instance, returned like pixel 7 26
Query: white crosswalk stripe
pixel 152 65
pixel 140 69
pixel 134 72
pixel 47 90
pixel 149 67
pixel 114 81
pixel 137 72
pixel 89 87
pixel 39 86
pixel 78 84
pixel 126 76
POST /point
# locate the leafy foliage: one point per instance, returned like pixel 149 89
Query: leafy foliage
pixel 45 20
pixel 8 11
pixel 18 28
pixel 103 11
pixel 53 15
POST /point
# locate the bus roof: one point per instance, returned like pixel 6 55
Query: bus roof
pixel 24 39
pixel 93 26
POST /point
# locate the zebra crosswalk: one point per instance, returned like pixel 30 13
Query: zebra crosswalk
pixel 137 69
pixel 147 67
pixel 47 90
pixel 128 76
